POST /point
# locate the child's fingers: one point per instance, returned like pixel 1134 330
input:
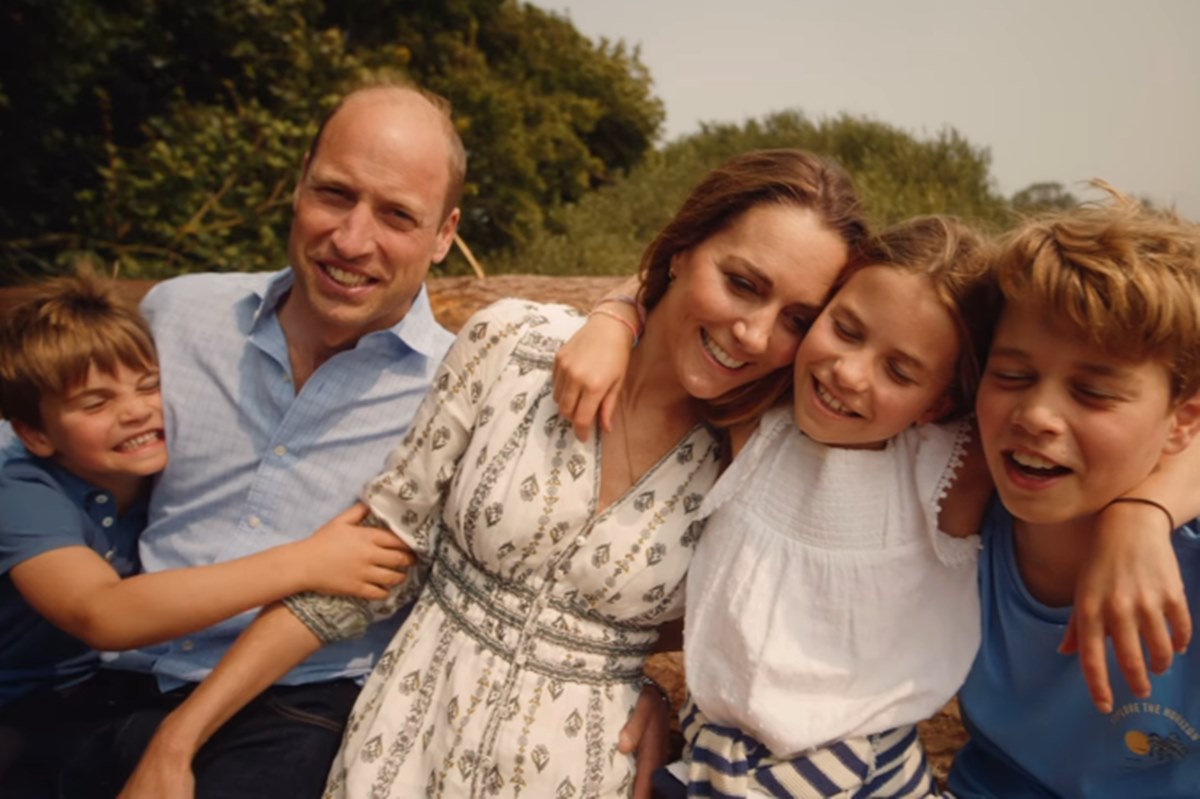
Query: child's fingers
pixel 608 406
pixel 1180 619
pixel 352 515
pixel 1069 645
pixel 1089 635
pixel 1157 637
pixel 1127 647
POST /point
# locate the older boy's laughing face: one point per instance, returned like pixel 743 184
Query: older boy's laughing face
pixel 1065 426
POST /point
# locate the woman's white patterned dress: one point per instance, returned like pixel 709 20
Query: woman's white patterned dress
pixel 521 660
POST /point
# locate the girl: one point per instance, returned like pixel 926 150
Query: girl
pixel 827 608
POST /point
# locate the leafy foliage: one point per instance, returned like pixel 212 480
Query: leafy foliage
pixel 898 174
pixel 164 136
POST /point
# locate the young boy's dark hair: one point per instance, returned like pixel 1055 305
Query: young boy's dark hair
pixel 54 334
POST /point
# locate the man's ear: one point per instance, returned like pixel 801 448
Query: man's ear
pixel 300 179
pixel 1185 425
pixel 34 440
pixel 938 411
pixel 445 236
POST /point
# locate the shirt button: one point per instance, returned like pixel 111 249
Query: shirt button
pixel 254 521
pixel 187 646
pixel 580 540
pixel 110 554
pixel 101 499
pixel 107 521
pixel 280 450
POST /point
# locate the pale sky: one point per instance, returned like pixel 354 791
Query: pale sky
pixel 1058 90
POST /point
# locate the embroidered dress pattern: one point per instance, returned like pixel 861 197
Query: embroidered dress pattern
pixel 522 658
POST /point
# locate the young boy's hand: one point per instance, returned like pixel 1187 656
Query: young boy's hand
pixel 1130 590
pixel 345 558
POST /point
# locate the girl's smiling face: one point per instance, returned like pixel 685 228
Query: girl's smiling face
pixel 879 358
pixel 1065 426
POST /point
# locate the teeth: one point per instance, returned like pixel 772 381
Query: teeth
pixel 720 355
pixel 137 441
pixel 832 401
pixel 1031 461
pixel 347 279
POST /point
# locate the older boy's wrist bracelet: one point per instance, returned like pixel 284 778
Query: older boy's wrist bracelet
pixel 1150 502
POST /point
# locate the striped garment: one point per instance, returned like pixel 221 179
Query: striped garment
pixel 725 762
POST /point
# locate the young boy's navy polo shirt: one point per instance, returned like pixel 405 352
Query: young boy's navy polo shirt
pixel 44 507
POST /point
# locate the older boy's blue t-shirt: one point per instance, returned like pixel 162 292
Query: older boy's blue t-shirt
pixel 43 507
pixel 1034 730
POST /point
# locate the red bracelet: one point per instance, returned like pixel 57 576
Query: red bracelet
pixel 605 312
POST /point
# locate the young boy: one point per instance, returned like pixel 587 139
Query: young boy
pixel 1092 378
pixel 79 385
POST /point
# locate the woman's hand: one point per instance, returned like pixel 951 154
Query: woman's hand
pixel 164 772
pixel 345 558
pixel 589 370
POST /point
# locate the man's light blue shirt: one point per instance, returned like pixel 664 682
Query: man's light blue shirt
pixel 253 464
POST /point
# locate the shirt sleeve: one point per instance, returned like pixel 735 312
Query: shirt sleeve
pixel 36 518
pixel 408 497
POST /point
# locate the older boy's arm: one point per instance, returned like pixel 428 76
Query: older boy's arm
pixel 80 593
pixel 1130 589
pixel 270 647
pixel 590 368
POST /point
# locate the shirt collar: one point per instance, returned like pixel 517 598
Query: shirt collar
pixel 418 331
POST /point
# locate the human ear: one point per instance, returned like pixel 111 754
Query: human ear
pixel 34 440
pixel 1185 424
pixel 445 236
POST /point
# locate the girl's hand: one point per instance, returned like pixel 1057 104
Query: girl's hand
pixel 1129 589
pixel 590 368
pixel 345 558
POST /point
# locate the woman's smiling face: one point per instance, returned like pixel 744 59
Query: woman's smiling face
pixel 742 299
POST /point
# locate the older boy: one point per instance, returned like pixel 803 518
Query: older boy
pixel 1092 378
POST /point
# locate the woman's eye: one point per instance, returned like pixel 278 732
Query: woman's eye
pixel 740 283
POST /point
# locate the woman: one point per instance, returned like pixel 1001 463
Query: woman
pixel 549 563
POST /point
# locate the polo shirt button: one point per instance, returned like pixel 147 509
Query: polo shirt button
pixel 107 521
pixel 101 499
pixel 187 646
pixel 110 554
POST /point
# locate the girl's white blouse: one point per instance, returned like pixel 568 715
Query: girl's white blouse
pixel 822 601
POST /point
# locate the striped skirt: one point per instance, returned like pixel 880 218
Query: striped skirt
pixel 725 762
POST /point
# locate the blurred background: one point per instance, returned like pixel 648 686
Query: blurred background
pixel 155 137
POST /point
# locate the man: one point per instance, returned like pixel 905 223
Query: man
pixel 283 393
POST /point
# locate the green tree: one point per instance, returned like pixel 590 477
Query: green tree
pixel 1046 196
pixel 164 135
pixel 898 174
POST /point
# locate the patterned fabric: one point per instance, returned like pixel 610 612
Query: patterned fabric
pixel 521 661
pixel 724 762
pixel 255 464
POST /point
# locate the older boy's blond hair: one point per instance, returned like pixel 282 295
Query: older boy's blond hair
pixel 54 334
pixel 1124 276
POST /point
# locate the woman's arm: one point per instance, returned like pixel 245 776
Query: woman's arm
pixel 80 593
pixel 270 647
pixel 590 368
